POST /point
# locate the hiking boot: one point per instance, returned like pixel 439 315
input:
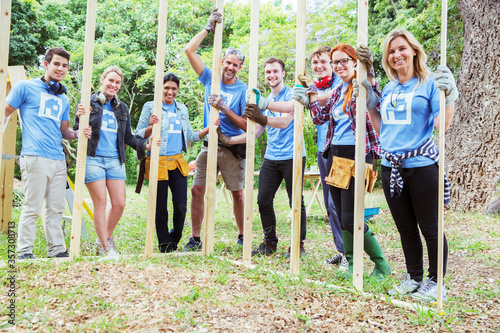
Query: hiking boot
pixel 25 256
pixel 344 264
pixel 110 254
pixel 302 251
pixel 406 287
pixel 428 291
pixel 192 245
pixel 265 248
pixel 335 260
pixel 63 254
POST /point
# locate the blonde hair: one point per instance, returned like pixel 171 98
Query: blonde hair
pixel 114 69
pixel 422 72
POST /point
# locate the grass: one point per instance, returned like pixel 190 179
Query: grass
pixel 198 294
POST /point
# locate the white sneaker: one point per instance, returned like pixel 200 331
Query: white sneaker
pixel 405 287
pixel 111 254
pixel 111 243
pixel 428 291
pixel 344 264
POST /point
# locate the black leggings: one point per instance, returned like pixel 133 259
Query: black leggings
pixel 417 208
pixel 344 199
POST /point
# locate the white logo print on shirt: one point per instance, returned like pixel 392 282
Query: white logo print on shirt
pixel 50 106
pixel 400 114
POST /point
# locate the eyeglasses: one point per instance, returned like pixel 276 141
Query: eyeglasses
pixel 343 62
pixel 395 103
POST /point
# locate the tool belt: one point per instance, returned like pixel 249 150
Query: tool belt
pixel 343 169
pixel 165 163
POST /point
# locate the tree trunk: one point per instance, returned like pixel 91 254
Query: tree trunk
pixel 473 154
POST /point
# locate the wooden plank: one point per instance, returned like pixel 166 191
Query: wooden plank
pixel 210 189
pixel 250 157
pixel 158 104
pixel 5 9
pixel 442 118
pixel 81 159
pixel 359 181
pixel 298 129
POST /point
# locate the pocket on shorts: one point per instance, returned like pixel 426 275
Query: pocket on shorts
pixel 27 162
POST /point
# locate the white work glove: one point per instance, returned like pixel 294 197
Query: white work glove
pixel 262 103
pixel 372 99
pixel 445 81
pixel 299 93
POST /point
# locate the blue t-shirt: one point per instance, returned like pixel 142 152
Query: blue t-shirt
pixel 41 114
pixel 108 138
pixel 280 140
pixel 343 134
pixel 174 135
pixel 407 112
pixel 233 95
pixel 323 129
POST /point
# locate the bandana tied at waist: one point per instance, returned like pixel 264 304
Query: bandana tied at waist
pixel 428 149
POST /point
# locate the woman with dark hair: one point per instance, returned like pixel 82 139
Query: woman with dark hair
pixel 407 116
pixel 105 167
pixel 173 169
pixel 340 112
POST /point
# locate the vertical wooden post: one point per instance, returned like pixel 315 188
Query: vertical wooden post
pixel 359 180
pixel 158 104
pixel 298 138
pixel 5 9
pixel 81 158
pixel 250 162
pixel 210 198
pixel 442 117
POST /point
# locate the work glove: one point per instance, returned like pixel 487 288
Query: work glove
pixel 365 56
pixel 445 81
pixel 299 93
pixel 372 99
pixel 223 138
pixel 217 102
pixel 306 80
pixel 263 103
pixel 215 18
pixel 252 112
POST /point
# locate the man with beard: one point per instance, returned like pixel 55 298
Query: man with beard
pixel 231 104
pixel 278 159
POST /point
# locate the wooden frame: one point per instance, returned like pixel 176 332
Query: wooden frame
pixel 359 181
pixel 88 59
pixel 155 150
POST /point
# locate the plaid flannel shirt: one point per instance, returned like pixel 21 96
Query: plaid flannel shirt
pixel 321 115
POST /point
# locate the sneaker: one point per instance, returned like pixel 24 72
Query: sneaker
pixel 239 242
pixel 192 245
pixel 63 254
pixel 406 287
pixel 335 260
pixel 265 248
pixel 110 254
pixel 302 251
pixel 428 291
pixel 111 243
pixel 25 256
pixel 344 265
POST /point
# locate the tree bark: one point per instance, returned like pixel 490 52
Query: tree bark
pixel 473 154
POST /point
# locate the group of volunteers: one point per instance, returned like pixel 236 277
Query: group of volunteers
pixel 400 121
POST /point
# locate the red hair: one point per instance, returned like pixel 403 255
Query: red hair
pixel 349 50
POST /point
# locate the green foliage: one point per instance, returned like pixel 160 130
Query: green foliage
pixel 25 42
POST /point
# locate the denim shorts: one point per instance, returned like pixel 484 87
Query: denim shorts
pixel 100 167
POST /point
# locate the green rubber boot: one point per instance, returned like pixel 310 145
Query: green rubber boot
pixel 347 239
pixel 372 248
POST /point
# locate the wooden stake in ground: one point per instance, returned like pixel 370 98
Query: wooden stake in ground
pixel 298 137
pixel 442 117
pixel 252 83
pixel 158 104
pixel 359 180
pixel 81 158
pixel 210 190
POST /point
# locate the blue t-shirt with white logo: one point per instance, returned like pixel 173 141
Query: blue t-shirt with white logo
pixel 343 134
pixel 233 95
pixel 174 135
pixel 280 140
pixel 41 114
pixel 407 112
pixel 323 129
pixel 107 145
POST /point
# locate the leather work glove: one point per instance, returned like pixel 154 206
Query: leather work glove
pixel 217 102
pixel 372 99
pixel 299 94
pixel 306 80
pixel 223 138
pixel 445 81
pixel 263 103
pixel 252 112
pixel 365 56
pixel 215 18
